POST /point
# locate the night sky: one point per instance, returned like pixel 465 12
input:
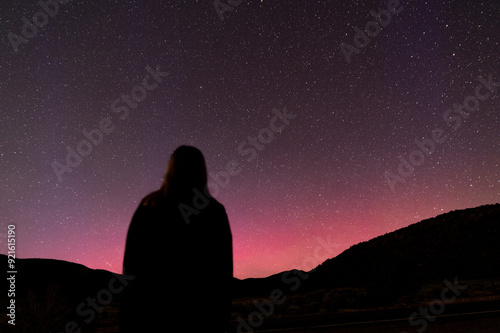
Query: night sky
pixel 332 137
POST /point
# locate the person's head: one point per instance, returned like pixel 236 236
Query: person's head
pixel 186 170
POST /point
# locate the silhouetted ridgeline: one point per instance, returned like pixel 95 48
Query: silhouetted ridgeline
pixel 49 293
pixel 463 244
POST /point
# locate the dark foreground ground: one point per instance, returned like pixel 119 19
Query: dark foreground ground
pixel 470 317
pixel 465 324
pixel 457 325
pixel 466 317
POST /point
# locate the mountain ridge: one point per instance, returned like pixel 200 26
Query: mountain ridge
pixel 391 257
pixel 349 267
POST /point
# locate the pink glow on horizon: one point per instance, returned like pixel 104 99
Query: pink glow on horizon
pixel 257 253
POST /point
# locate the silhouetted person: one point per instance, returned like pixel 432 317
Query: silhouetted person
pixel 179 248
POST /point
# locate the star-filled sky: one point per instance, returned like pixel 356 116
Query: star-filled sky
pixel 338 134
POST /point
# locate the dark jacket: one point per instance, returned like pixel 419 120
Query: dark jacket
pixel 183 272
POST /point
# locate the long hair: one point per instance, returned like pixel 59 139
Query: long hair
pixel 186 171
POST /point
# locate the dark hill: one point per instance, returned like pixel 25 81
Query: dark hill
pixel 76 281
pixel 48 293
pixel 463 244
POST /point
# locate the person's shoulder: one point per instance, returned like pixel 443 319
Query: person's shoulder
pixel 216 204
pixel 216 208
pixel 152 199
